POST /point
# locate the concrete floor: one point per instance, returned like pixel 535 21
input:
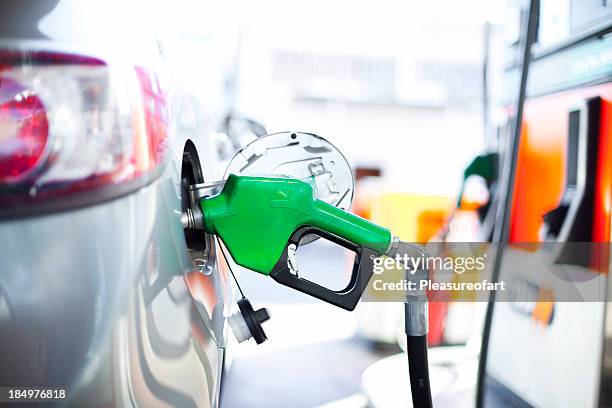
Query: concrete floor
pixel 303 376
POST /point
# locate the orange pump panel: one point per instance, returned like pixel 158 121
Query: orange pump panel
pixel 540 173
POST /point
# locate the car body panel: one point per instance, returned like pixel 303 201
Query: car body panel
pixel 106 300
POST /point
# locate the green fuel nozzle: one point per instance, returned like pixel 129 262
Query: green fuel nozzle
pixel 262 220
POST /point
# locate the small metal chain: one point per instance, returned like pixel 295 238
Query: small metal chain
pixel 229 266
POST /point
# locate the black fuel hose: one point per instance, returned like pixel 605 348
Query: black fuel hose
pixel 419 371
pixel 416 322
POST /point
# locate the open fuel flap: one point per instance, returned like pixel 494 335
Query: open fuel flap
pixel 299 155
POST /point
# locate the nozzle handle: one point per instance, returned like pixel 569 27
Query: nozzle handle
pixel 346 298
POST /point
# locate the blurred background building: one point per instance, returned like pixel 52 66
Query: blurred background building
pixel 371 71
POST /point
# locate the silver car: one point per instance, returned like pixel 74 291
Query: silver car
pixel 103 295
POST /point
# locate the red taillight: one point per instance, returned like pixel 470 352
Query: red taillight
pixel 76 129
pixel 156 120
pixel 24 131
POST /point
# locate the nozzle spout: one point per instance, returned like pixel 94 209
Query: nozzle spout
pixel 192 218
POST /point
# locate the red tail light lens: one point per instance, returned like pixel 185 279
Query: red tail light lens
pixel 74 129
pixel 155 117
pixel 24 131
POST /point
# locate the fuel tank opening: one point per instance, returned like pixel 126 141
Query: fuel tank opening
pixel 201 245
